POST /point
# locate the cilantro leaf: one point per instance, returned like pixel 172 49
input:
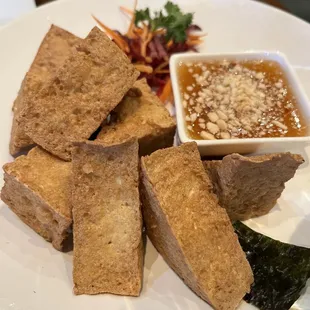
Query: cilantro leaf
pixel 159 21
pixel 172 8
pixel 176 29
pixel 178 24
pixel 142 15
pixel 173 20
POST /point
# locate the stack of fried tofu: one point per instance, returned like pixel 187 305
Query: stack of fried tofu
pixel 76 87
pixel 71 88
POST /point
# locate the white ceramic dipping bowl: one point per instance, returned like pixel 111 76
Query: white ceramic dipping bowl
pixel 247 145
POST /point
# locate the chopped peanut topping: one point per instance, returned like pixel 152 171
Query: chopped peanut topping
pixel 224 100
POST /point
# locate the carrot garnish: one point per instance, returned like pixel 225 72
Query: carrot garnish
pixel 169 43
pixel 132 22
pixel 196 36
pixel 162 71
pixel 123 9
pixel 161 66
pixel 116 37
pixel 160 31
pixel 144 46
pixel 193 42
pixel 144 68
pixel 166 91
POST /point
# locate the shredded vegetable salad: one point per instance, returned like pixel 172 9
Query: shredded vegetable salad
pixel 152 38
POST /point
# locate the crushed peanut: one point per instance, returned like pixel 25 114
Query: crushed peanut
pixel 227 100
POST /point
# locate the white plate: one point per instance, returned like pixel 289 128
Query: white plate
pixel 34 276
pixel 13 8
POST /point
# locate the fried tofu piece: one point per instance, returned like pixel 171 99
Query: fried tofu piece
pixel 37 189
pixel 107 220
pixel 189 229
pixel 54 49
pixel 92 81
pixel 248 187
pixel 143 117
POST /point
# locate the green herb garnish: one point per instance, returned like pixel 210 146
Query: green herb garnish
pixel 172 19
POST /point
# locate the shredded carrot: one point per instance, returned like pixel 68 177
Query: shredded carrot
pixel 166 92
pixel 196 36
pixel 169 43
pixel 130 12
pixel 193 42
pixel 145 31
pixel 170 98
pixel 144 68
pixel 132 22
pixel 137 31
pixel 144 37
pixel 161 66
pixel 118 40
pixel 144 45
pixel 162 71
pixel 148 59
pixel 160 31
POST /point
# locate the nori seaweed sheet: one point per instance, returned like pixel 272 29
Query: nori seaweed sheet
pixel 280 270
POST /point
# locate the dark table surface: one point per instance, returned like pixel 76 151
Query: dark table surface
pixel 300 8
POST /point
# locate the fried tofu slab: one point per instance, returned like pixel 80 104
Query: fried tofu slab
pixel 141 116
pixel 189 229
pixel 56 46
pixel 37 189
pixel 107 220
pixel 89 85
pixel 248 187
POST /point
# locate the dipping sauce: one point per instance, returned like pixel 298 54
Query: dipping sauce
pixel 244 99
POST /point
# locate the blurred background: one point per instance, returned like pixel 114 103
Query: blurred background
pixel 11 9
pixel 300 8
